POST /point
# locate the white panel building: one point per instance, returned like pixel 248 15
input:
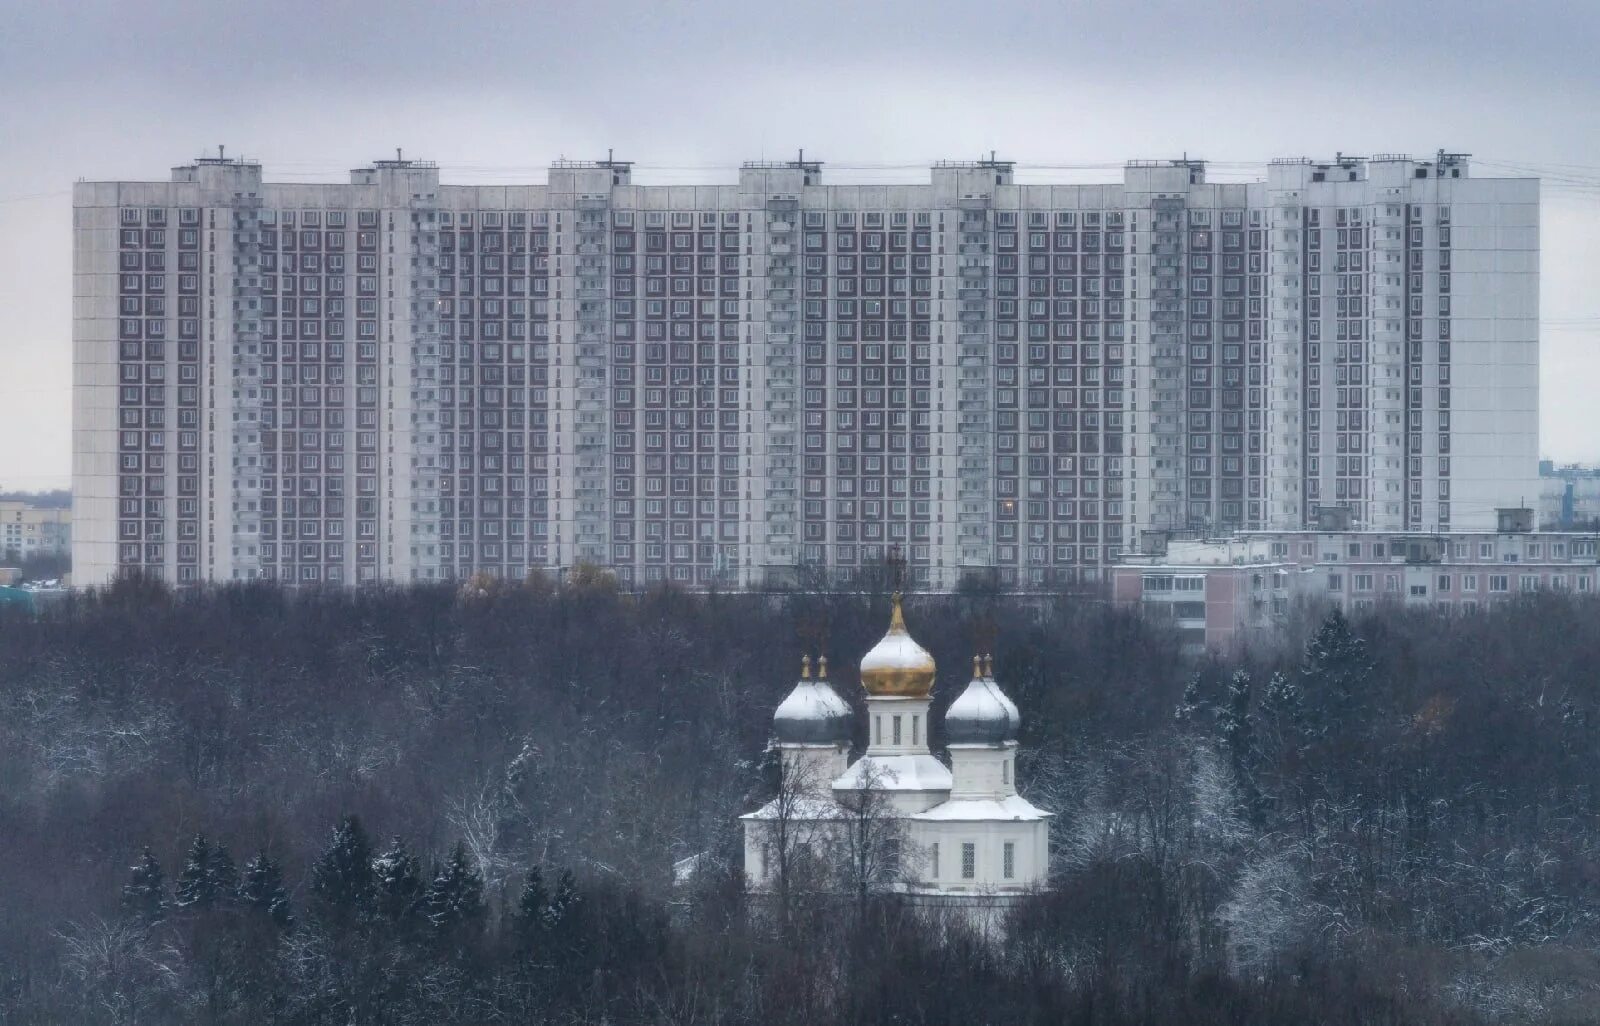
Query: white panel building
pixel 394 379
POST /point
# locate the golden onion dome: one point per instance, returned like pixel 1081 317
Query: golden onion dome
pixel 898 667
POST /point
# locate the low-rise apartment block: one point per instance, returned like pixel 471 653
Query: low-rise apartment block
pixel 1244 589
pixel 27 530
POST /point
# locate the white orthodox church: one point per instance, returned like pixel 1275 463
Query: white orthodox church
pixel 961 835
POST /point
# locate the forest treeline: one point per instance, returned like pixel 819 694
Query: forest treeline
pixel 431 805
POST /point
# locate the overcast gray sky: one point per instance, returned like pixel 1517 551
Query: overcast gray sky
pixel 104 90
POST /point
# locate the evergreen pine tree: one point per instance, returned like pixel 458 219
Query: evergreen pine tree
pixel 1282 702
pixel 455 897
pixel 397 882
pixel 262 889
pixel 1193 704
pixel 222 876
pixel 566 946
pixel 341 880
pixel 1335 670
pixel 1233 719
pixel 563 905
pixel 1237 732
pixel 532 906
pixel 1282 716
pixel 145 895
pixel 194 887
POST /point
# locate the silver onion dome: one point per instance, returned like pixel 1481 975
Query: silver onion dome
pixel 982 714
pixel 813 714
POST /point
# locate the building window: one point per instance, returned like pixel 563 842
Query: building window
pixel 1009 861
pixel 933 860
pixel 897 730
pixel 969 860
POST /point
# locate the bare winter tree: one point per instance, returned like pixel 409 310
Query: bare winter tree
pixel 796 824
pixel 869 847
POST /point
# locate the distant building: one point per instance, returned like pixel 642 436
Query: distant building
pixel 739 383
pixel 1245 589
pixel 27 530
pixel 1569 496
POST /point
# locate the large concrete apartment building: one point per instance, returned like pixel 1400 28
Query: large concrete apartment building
pixel 397 379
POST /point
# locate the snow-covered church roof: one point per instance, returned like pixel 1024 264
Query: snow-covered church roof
pixel 919 772
pixel 1013 808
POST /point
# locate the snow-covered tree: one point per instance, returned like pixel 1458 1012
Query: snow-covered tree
pixel 193 888
pixel 563 905
pixel 1236 728
pixel 1281 719
pixel 532 906
pixel 1335 671
pixel 262 889
pixel 1267 914
pixel 397 882
pixel 1194 704
pixel 209 877
pixel 455 897
pixel 144 897
pixel 341 879
pixel 222 875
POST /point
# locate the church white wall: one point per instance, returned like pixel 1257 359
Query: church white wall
pixel 1030 865
pixel 983 771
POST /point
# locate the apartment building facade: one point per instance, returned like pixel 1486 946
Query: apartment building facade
pixel 27 530
pixel 394 379
pixel 1224 593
